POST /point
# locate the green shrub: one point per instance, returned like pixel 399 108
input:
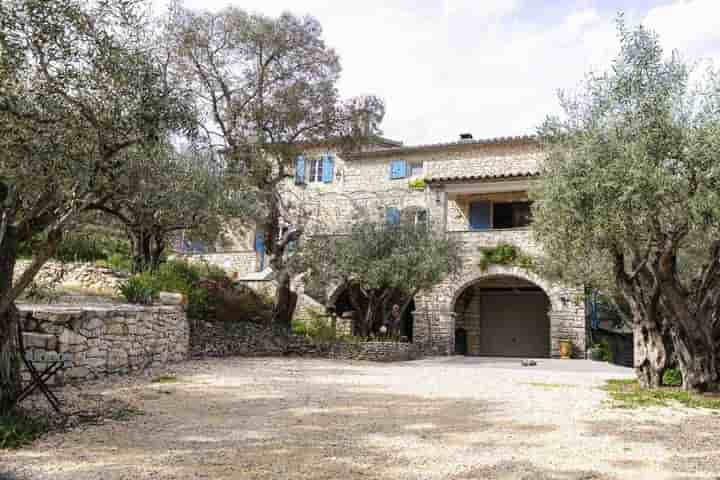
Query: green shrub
pixel 139 289
pixel 201 306
pixel 314 326
pixel 604 348
pixel 504 254
pixel 672 377
pixel 177 276
pixel 417 184
pixel 116 262
pixel 19 429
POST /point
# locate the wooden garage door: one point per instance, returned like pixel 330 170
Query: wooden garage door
pixel 514 324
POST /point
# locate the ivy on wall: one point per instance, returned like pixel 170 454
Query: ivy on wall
pixel 417 184
pixel 504 254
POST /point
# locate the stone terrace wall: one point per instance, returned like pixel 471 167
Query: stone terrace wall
pixel 376 351
pixel 84 276
pixel 99 340
pixel 249 339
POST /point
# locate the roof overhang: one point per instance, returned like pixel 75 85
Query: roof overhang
pixel 442 147
pixel 484 185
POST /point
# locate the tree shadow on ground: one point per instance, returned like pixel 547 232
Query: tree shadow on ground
pixel 692 439
pixel 299 419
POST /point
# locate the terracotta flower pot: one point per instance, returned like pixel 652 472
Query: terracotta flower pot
pixel 565 349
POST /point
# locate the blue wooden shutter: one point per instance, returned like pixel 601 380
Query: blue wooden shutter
pixel 392 216
pixel 480 215
pixel 259 241
pixel 327 169
pixel 260 249
pixel 397 169
pixel 299 170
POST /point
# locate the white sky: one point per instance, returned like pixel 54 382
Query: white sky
pixel 487 67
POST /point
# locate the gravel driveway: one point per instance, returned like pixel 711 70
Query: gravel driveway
pixel 443 418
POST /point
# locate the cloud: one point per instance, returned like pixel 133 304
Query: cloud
pixel 490 67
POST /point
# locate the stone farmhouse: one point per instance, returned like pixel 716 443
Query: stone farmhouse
pixel 476 190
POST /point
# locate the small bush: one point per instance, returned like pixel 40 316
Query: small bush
pixel 139 289
pixel 504 254
pixel 201 306
pixel 315 326
pixel 417 184
pixel 117 262
pixel 19 429
pixel 604 350
pixel 672 377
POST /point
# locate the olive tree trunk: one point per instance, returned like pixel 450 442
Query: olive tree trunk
pixel 651 356
pixel 10 382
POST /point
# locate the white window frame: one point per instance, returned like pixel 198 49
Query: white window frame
pixel 316 170
pixel 416 166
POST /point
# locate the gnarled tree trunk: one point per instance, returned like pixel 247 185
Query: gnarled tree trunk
pixel 651 356
pixel 9 361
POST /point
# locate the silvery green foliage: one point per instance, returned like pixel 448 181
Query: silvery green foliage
pixel 80 83
pixel 633 161
pixel 379 261
pixel 630 202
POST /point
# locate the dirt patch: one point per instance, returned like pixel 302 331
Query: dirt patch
pixel 431 419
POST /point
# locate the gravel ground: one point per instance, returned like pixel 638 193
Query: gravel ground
pixel 443 418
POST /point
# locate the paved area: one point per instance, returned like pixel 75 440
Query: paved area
pixel 446 418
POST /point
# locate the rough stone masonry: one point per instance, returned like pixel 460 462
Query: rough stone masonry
pixel 98 340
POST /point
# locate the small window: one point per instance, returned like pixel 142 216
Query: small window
pixel 398 169
pixel 392 216
pixel 316 170
pixel 416 169
pixel 415 215
pixel 511 215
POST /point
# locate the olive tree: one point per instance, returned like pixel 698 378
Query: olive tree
pixel 631 189
pixel 267 87
pixel 178 191
pixel 80 83
pixel 380 263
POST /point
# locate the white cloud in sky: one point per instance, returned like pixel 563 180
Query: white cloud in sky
pixel 490 67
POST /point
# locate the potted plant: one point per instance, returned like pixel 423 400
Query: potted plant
pixel 565 348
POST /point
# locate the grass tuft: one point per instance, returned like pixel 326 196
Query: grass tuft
pixel 628 394
pixel 165 379
pixel 125 413
pixel 550 385
pixel 19 429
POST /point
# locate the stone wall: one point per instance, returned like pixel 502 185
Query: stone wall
pixel 236 263
pixel 81 276
pixel 249 339
pixel 376 351
pixel 98 340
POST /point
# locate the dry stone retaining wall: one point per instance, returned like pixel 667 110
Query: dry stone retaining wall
pixel 98 340
pixel 80 275
pixel 249 339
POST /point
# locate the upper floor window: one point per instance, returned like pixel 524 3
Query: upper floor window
pixel 416 169
pixel 308 170
pixel 486 214
pixel 398 169
pixel 316 170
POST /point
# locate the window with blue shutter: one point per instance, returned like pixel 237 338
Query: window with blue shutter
pixel 480 215
pixel 392 216
pixel 260 249
pixel 398 169
pixel 327 169
pixel 299 170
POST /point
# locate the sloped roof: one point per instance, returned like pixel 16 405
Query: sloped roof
pixel 522 139
pixel 489 176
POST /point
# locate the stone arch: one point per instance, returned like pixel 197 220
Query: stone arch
pixel 434 324
pixel 476 275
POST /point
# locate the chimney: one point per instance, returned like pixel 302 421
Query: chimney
pixel 464 137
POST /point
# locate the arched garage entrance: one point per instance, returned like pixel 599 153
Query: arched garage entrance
pixel 502 315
